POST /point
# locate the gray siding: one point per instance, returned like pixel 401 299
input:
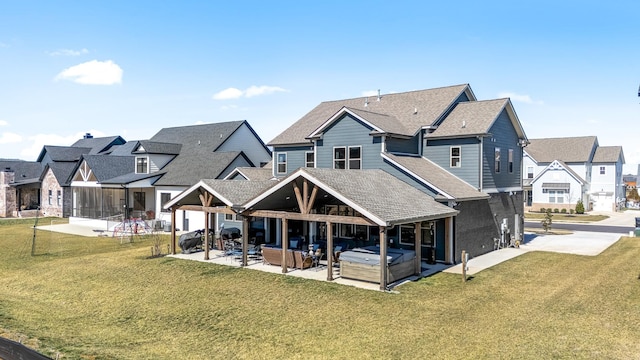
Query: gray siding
pixel 438 151
pixel 393 170
pixel 243 139
pixel 238 162
pixel 505 138
pixel 410 146
pixel 348 131
pixel 295 158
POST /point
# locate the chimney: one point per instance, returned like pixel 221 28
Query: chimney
pixel 88 136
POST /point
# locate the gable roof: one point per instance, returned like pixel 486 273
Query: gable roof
pixel 252 173
pixel 435 177
pixel 361 190
pixel 197 137
pixel 430 104
pixel 380 123
pixel 568 149
pixel 108 167
pixel 63 153
pixel 557 165
pixel 62 171
pixel 475 118
pixel 226 192
pixel 155 147
pixel 99 145
pixel 188 170
pixel 125 149
pixel 608 154
pixel 25 172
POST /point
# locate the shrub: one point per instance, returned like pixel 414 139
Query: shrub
pixel 571 211
pixel 547 221
pixel 543 210
pixel 556 210
pixel 579 207
pixel 563 211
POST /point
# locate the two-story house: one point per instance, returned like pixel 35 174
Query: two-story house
pixel 559 172
pixel 433 170
pixel 136 178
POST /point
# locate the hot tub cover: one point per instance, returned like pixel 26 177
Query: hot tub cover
pixel 370 255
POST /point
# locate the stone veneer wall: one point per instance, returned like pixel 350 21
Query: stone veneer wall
pixel 49 182
pixel 8 198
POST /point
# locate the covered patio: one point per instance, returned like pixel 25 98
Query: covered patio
pixel 323 203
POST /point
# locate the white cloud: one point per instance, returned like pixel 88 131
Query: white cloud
pixel 519 98
pixel 370 93
pixel 228 107
pixel 93 72
pixel 227 94
pixel 234 93
pixel 39 140
pixel 10 138
pixel 68 52
pixel 3 123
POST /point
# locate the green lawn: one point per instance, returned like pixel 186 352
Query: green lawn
pixel 566 217
pixel 95 298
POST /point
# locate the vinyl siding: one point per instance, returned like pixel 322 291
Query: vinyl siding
pixel 438 151
pixel 243 139
pixel 410 146
pixel 348 131
pixel 238 162
pixel 157 161
pixel 504 137
pixel 295 158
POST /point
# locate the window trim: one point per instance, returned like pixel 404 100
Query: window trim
pixel 344 160
pixel 145 161
pixel 162 203
pixel 603 170
pixel 529 174
pixel 458 157
pixel 349 159
pixel 59 197
pixel 510 160
pixel 311 164
pixel 50 197
pixel 284 163
pixel 497 160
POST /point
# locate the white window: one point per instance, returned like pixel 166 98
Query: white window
pixel 529 172
pixel 603 170
pixel 281 163
pixel 556 196
pixel 50 197
pixel 59 198
pixel 230 217
pixel 355 157
pixel 142 166
pixel 164 198
pixel 497 160
pixel 309 159
pixel 454 155
pixel 347 157
pixel 510 161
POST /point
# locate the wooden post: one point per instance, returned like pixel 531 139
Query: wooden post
pixel 207 241
pixel 329 251
pixel 418 247
pixel 383 258
pixel 464 266
pixel 285 244
pixel 245 239
pixel 173 231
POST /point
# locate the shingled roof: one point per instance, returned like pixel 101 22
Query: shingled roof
pixel 24 171
pixel 448 185
pixel 99 145
pixel 475 118
pixel 376 194
pixel 197 137
pixel 608 154
pixel 568 149
pixel 253 173
pixel 409 112
pixel 62 171
pixel 108 167
pixel 226 192
pixel 155 147
pixel 188 170
pixel 63 153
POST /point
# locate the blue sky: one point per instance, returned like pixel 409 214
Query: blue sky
pixel 130 68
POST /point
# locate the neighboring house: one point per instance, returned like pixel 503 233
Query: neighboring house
pixel 135 179
pixel 559 172
pixel 19 188
pixel 433 170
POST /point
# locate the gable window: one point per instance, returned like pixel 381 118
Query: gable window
pixel 164 198
pixel 50 197
pixel 230 217
pixel 282 163
pixel 529 172
pixel 309 159
pixel 59 198
pixel 497 160
pixel 355 157
pixel 142 166
pixel 510 161
pixel 340 158
pixel 454 154
pixel 602 170
pixel 347 157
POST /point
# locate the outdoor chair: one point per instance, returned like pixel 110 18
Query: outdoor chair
pixel 317 256
pixel 336 253
pixel 302 260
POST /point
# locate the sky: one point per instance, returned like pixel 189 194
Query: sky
pixel 131 68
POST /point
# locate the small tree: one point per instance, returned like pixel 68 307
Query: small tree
pixel 633 195
pixel 579 207
pixel 546 222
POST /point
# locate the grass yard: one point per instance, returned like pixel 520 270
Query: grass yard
pixel 566 217
pixel 100 299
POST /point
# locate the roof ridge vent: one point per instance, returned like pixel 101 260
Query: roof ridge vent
pixel 464 124
pixel 366 102
pixel 379 97
pixel 415 110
